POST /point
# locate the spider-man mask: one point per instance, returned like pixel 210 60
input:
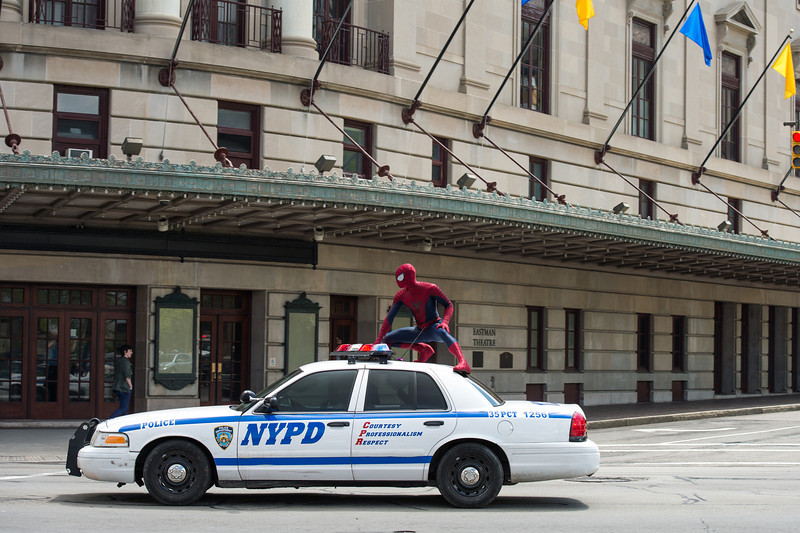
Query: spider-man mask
pixel 406 276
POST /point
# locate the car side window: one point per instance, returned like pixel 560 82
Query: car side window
pixel 318 392
pixel 392 390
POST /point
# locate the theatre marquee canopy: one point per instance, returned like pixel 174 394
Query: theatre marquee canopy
pixel 182 211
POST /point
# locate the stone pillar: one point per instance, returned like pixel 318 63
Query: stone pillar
pixel 158 17
pixel 11 11
pixel 297 38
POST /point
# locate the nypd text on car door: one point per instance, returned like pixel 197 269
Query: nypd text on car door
pixel 308 435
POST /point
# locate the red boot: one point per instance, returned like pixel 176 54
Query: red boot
pixel 424 350
pixel 461 365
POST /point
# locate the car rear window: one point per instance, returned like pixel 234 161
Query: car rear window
pixel 485 391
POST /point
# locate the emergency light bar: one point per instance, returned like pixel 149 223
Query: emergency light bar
pixel 354 352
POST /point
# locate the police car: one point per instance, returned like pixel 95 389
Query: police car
pixel 361 420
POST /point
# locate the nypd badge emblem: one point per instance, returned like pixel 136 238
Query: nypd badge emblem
pixel 224 436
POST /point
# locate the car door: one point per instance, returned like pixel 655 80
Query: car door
pixel 404 415
pixel 307 437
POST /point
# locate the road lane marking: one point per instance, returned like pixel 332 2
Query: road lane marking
pixel 735 434
pixel 709 444
pixel 702 450
pixel 28 476
pixel 670 430
pixel 707 463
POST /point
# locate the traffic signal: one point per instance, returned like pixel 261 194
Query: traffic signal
pixel 796 149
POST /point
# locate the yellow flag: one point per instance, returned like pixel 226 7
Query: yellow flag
pixel 585 12
pixel 784 66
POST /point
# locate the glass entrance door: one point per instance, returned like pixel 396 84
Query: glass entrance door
pixel 57 349
pixel 224 346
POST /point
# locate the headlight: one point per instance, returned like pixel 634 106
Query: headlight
pixel 110 440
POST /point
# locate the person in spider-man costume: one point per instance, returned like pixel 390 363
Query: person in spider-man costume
pixel 422 298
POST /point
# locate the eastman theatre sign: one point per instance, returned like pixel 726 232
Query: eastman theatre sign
pixel 485 337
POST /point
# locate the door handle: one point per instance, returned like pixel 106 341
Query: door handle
pixel 433 423
pixel 338 424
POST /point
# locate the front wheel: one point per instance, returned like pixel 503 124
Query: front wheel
pixel 469 475
pixel 177 473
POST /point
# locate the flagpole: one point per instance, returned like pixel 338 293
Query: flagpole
pixel 477 129
pixel 699 172
pixel 600 154
pixel 408 112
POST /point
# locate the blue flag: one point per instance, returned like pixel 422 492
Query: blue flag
pixel 525 2
pixel 695 30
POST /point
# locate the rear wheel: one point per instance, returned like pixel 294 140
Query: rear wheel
pixel 469 475
pixel 177 473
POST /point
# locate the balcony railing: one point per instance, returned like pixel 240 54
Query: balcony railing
pixel 354 45
pixel 236 24
pixel 95 14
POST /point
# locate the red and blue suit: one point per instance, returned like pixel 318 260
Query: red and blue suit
pixel 422 299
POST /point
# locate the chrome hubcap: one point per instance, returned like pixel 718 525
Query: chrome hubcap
pixel 470 476
pixel 176 473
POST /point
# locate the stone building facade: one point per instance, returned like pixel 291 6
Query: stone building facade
pixel 614 275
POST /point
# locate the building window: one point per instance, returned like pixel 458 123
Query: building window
pixel 477 359
pixel 643 54
pixel 535 64
pixel 573 340
pixel 734 215
pixel 80 13
pixel 80 122
pixel 647 207
pixel 644 342
pixel 356 163
pixel 536 191
pixel 536 352
pixel 235 23
pixel 84 13
pixel 439 163
pixel 679 344
pixel 730 84
pixel 238 130
pixel 352 45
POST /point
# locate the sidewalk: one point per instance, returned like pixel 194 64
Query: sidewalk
pixel 608 416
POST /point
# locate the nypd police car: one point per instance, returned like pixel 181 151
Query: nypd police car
pixel 347 422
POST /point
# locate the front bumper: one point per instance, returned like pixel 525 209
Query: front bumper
pixel 107 464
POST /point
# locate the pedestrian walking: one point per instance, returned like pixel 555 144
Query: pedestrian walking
pixel 123 386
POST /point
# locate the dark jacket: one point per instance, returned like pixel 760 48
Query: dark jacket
pixel 122 370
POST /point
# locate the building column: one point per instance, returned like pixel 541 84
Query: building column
pixel 11 11
pixel 158 17
pixel 474 33
pixel 777 368
pixel 297 20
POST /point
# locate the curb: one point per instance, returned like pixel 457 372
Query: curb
pixel 40 424
pixel 696 415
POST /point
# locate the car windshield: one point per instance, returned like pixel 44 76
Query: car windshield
pixel 485 391
pixel 269 390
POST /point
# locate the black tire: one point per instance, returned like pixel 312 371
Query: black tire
pixel 177 473
pixel 469 476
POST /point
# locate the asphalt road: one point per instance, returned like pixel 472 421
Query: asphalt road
pixel 723 474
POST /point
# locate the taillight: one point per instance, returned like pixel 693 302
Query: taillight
pixel 577 430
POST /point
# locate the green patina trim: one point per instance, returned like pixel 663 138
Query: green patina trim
pixel 27 170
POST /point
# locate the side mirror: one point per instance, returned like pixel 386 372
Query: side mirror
pixel 271 404
pixel 247 396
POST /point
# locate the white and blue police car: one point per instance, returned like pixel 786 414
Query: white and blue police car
pixel 362 420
